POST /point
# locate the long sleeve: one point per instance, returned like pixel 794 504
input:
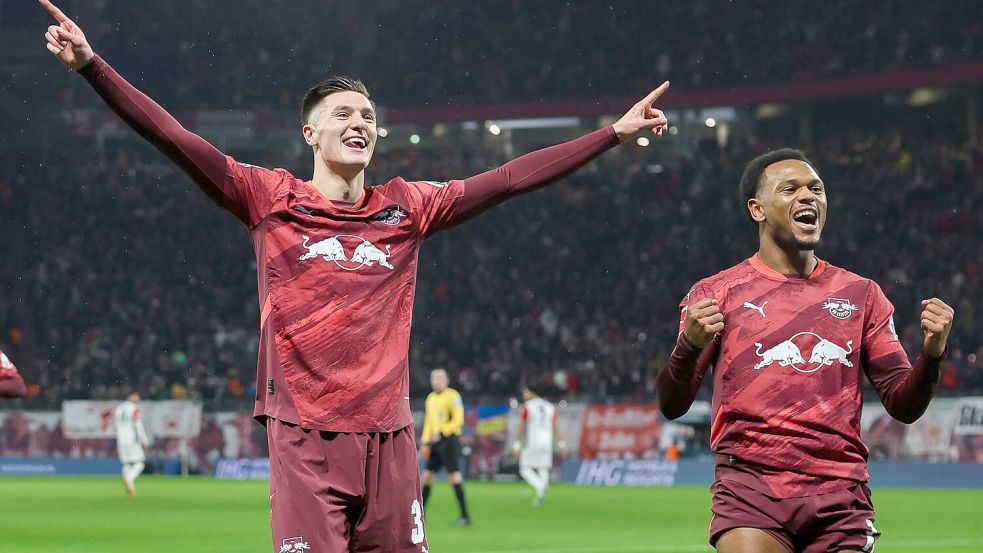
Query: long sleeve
pixel 905 390
pixel 194 155
pixel 460 200
pixel 679 380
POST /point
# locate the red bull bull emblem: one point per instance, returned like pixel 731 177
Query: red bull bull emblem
pixel 335 248
pixel 789 353
pixel 391 216
pixel 839 308
pixel 295 545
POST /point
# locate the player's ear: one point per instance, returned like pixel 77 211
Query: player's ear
pixel 308 131
pixel 756 210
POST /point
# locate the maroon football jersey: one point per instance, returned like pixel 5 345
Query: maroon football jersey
pixel 336 284
pixel 335 279
pixel 787 373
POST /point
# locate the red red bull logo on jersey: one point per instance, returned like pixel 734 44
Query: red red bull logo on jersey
pixel 294 545
pixel 840 308
pixel 335 248
pixel 789 353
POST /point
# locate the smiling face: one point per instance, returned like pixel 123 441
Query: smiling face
pixel 341 129
pixel 790 205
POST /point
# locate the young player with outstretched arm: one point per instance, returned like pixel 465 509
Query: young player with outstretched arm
pixel 336 274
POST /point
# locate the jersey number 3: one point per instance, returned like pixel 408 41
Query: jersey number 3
pixel 416 536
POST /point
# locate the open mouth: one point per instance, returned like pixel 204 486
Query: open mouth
pixel 356 143
pixel 806 219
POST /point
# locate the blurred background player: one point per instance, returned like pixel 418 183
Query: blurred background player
pixel 534 446
pixel 11 383
pixel 443 419
pixel 336 273
pixel 131 440
pixel 790 338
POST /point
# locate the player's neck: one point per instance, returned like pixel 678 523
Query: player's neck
pixel 336 187
pixel 785 261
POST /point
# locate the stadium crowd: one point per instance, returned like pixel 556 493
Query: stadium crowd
pixel 119 274
pixel 226 57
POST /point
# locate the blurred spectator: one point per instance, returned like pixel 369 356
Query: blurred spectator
pixel 222 55
pixel 122 275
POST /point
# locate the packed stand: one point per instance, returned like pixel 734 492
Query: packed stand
pixel 216 54
pixel 119 274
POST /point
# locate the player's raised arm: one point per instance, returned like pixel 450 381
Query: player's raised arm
pixel 542 167
pixel 696 348
pixel 905 389
pixel 196 157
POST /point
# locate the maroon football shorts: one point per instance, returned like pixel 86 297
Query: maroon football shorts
pixel 828 522
pixel 339 492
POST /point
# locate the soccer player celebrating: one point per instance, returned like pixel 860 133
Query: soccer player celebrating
pixel 131 440
pixel 534 446
pixel 336 272
pixel 442 422
pixel 11 383
pixel 790 338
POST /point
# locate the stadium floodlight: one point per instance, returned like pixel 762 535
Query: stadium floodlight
pixel 537 123
pixel 711 122
pixel 383 132
pixel 414 139
pixel 642 141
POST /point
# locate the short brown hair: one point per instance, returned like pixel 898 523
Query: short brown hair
pixel 337 83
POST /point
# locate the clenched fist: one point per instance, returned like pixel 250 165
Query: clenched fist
pixel 936 322
pixel 703 321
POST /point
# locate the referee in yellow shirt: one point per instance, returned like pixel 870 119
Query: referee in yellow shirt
pixel 443 419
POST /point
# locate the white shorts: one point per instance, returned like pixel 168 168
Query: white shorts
pixel 130 452
pixel 536 457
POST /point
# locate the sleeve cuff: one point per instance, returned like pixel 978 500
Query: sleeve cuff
pixel 687 348
pixel 93 68
pixel 939 359
pixel 611 136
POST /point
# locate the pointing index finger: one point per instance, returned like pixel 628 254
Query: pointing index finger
pixel 54 11
pixel 654 95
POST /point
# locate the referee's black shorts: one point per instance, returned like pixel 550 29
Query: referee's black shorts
pixel 445 454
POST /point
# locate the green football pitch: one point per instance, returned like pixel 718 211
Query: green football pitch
pixel 91 514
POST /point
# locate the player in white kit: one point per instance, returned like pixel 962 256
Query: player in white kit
pixel 131 439
pixel 537 430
